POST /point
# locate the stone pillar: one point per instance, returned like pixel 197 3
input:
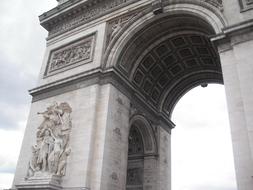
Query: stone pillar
pixel 150 173
pixel 86 104
pixel 237 66
pixel 98 141
pixel 164 162
pixel 114 142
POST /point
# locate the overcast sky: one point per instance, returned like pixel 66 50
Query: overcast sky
pixel 201 145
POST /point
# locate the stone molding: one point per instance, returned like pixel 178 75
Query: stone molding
pixel 116 25
pixel 71 55
pixel 41 183
pixel 141 68
pixel 145 127
pixel 233 35
pixel 62 1
pixel 60 19
pixel 118 41
pixel 85 12
pixel 98 76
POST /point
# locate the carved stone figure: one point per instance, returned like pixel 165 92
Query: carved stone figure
pixel 63 162
pixel 33 165
pixel 49 155
pixel 116 25
pixel 53 159
pixel 46 148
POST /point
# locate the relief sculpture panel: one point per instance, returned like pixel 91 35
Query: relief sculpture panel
pixel 116 25
pixel 74 54
pixel 51 151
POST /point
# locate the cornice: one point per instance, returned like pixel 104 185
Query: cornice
pixel 74 13
pixel 61 9
pixel 100 77
pixel 232 35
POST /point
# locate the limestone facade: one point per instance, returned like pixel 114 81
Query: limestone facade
pixel 121 66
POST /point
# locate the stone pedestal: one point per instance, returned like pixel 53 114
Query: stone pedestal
pixel 41 181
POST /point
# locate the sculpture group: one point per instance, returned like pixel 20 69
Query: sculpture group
pixel 49 154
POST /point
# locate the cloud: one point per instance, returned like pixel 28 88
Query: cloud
pixel 6 180
pixel 14 98
pixel 22 48
pixel 10 143
pixel 21 51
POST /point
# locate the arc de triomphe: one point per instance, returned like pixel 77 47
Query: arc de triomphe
pixel 112 73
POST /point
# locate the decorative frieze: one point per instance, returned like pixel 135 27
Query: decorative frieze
pixel 217 3
pixel 71 55
pixel 90 12
pixel 116 25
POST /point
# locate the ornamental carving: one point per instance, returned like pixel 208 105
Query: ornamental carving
pixel 51 151
pixel 216 3
pixel 134 176
pixel 77 53
pixel 135 142
pixel 116 25
pixel 89 13
pixel 92 10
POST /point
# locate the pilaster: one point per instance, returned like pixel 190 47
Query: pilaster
pixel 236 60
pixel 164 161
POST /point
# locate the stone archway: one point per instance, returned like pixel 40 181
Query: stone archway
pixel 135 163
pixel 162 57
pixel 142 155
pixel 113 60
pixel 162 60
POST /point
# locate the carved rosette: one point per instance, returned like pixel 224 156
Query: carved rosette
pixel 51 151
pixel 71 55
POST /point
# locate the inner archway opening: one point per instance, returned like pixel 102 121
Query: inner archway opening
pixel 202 155
pixel 161 61
pixel 142 155
pixel 135 164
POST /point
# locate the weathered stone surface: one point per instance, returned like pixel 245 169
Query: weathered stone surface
pixel 71 55
pixel 119 63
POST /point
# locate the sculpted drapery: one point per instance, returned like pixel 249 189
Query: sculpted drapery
pixel 49 154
